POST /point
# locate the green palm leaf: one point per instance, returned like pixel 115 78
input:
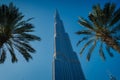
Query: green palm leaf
pixel 85 23
pixel 101 52
pixel 112 8
pixel 29 19
pixel 116 29
pixel 25 28
pixel 23 51
pixel 97 10
pixel 98 14
pixel 29 37
pixel 86 32
pixel 116 17
pixel 24 23
pixel 94 20
pixel 87 44
pixel 3 56
pixel 83 39
pixel 108 11
pixel 91 50
pixel 117 37
pixel 25 46
pixel 12 53
pixel 109 52
pixel 14 58
pixel 92 17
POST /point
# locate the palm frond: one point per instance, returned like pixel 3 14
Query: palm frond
pixel 117 37
pixel 29 19
pixel 95 21
pixel 98 15
pixel 87 44
pixel 14 58
pixel 83 39
pixel 109 52
pixel 115 29
pixel 18 37
pixel 11 6
pixel 101 52
pixel 17 22
pixel 11 51
pixel 9 15
pixel 24 52
pixel 85 23
pixel 92 17
pixel 3 56
pixel 25 46
pixel 25 28
pixel 85 32
pixel 91 50
pixel 20 23
pixel 3 9
pixel 28 47
pixel 97 9
pixel 14 16
pixel 112 8
pixel 108 11
pixel 116 17
pixel 30 37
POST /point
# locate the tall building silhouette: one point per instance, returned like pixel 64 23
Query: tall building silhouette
pixel 66 65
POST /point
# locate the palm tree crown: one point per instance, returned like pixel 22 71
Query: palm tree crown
pixel 15 34
pixel 102 27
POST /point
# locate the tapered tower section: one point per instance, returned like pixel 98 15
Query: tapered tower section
pixel 66 65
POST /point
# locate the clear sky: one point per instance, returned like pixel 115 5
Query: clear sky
pixel 40 68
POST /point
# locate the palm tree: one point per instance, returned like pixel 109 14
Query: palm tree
pixel 102 30
pixel 15 34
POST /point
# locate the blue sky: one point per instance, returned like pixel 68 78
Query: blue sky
pixel 40 68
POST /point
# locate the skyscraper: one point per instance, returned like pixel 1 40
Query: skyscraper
pixel 66 65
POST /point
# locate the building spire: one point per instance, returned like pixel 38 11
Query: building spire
pixel 57 16
pixel 58 26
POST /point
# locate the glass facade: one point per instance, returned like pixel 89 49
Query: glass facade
pixel 66 65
